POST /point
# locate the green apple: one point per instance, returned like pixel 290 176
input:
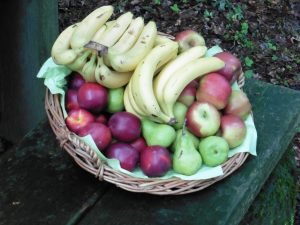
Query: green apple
pixel 158 134
pixel 214 150
pixel 115 100
pixel 179 113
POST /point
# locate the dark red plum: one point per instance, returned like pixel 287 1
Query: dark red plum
pixel 101 119
pixel 139 144
pixel 125 126
pixel 155 161
pixel 125 153
pixel 93 97
pixel 71 101
pixel 76 81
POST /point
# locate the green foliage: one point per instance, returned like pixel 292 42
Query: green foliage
pixel 248 73
pixel 271 46
pixel 248 61
pixel 274 58
pixel 207 15
pixel 221 4
pixel 235 14
pixel 175 8
pixel 157 2
pixel 275 204
pixel 241 36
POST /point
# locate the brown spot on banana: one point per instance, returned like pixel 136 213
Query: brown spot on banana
pixel 100 15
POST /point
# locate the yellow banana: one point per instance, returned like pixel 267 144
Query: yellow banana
pixel 161 39
pixel 182 77
pixel 90 25
pixel 142 79
pixel 109 78
pixel 127 104
pixel 173 66
pixel 99 33
pixel 81 60
pixel 88 70
pixel 129 37
pixel 112 34
pixel 129 60
pixel 127 40
pixel 61 52
pixel 136 108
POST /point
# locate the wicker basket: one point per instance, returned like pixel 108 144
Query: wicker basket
pixel 85 157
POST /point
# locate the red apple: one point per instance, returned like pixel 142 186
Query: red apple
pixel 125 153
pixel 155 161
pixel 125 126
pixel 77 119
pixel 99 132
pixel 238 104
pixel 203 119
pixel 71 100
pixel 233 130
pixel 188 95
pixel 139 144
pixel 188 39
pixel 232 68
pixel 101 119
pixel 93 97
pixel 214 89
pixel 76 81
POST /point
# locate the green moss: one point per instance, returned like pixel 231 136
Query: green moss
pixel 276 202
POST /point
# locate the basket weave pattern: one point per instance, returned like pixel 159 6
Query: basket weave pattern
pixel 87 159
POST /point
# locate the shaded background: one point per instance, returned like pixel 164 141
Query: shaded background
pixel 28 29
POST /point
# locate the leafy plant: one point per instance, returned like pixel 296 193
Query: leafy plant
pixel 175 8
pixel 248 73
pixel 235 14
pixel 248 61
pixel 157 2
pixel 271 46
pixel 221 4
pixel 274 58
pixel 207 15
pixel 241 36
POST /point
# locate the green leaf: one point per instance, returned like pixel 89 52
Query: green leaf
pixel 157 2
pixel 248 61
pixel 298 129
pixel 249 74
pixel 274 57
pixel 175 8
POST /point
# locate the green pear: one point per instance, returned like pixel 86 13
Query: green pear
pixel 186 159
pixel 194 139
pixel 179 113
pixel 115 100
pixel 158 134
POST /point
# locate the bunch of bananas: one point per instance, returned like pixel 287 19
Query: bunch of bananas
pixel 129 52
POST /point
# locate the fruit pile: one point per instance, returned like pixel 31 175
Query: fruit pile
pixel 148 100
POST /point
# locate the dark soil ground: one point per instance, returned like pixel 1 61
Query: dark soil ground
pixel 265 34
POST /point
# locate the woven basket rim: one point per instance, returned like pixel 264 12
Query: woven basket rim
pixel 87 159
